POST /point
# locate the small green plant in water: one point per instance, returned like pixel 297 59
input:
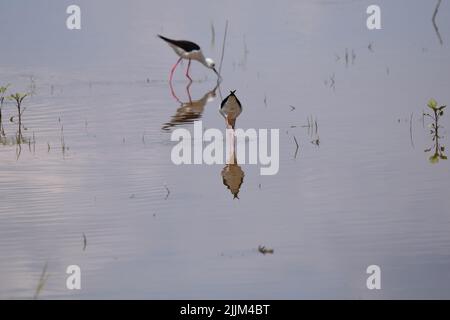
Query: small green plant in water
pixel 2 94
pixel 2 101
pixel 435 116
pixel 18 99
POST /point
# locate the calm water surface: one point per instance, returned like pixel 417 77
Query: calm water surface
pixel 360 189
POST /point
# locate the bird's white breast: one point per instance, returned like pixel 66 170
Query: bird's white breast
pixel 232 107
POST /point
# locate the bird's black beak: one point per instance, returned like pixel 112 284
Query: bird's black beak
pixel 214 69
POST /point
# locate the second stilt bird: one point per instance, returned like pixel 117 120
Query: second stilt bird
pixel 230 109
pixel 190 51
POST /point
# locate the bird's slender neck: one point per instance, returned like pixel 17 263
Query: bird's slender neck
pixel 231 122
pixel 202 59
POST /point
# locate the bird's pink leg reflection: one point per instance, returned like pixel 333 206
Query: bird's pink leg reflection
pixel 188 87
pixel 173 92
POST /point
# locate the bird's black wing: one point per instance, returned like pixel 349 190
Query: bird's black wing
pixel 187 46
pixel 225 100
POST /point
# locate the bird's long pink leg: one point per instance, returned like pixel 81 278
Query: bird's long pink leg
pixel 173 69
pixel 187 70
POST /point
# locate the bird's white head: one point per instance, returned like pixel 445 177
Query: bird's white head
pixel 210 63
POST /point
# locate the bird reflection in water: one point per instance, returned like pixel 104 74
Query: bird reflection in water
pixel 189 111
pixel 232 173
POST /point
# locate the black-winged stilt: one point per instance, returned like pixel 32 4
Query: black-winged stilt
pixel 190 51
pixel 230 109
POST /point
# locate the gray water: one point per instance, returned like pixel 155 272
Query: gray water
pixel 94 185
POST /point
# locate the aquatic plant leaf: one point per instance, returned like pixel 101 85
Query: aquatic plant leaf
pixel 434 158
pixel 4 88
pixel 432 104
pixel 18 97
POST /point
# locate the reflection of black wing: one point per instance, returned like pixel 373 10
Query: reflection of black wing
pixel 187 46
